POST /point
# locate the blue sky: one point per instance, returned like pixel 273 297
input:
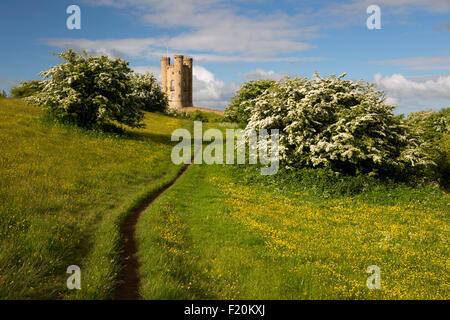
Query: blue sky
pixel 238 40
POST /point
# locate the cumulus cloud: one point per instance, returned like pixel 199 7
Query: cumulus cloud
pixel 398 86
pixel 153 49
pixel 210 92
pixel 156 71
pixel 263 74
pixel 130 47
pixel 220 27
pixel 415 93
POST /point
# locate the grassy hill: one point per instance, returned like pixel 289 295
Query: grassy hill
pixel 220 232
pixel 63 194
pixel 226 232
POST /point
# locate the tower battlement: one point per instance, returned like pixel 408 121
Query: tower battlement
pixel 176 81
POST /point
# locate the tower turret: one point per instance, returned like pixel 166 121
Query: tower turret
pixel 178 81
pixel 165 61
pixel 188 80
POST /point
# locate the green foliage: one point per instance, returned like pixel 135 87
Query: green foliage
pixel 337 124
pixel 196 115
pixel 3 94
pixel 177 113
pixel 434 127
pixel 237 238
pixel 89 91
pixel 27 89
pixel 199 116
pixel 147 94
pixel 239 108
pixel 64 194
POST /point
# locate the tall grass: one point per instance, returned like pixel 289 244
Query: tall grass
pixel 64 192
pixel 226 232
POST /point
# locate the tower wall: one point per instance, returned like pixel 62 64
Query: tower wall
pixel 177 101
pixel 176 81
pixel 188 81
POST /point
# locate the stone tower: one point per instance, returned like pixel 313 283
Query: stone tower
pixel 176 81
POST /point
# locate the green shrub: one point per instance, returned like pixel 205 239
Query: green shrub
pixel 434 127
pixel 27 89
pixel 238 110
pixel 199 116
pixel 89 91
pixel 146 93
pixel 177 113
pixel 337 124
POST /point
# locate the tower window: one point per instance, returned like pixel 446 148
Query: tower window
pixel 172 85
pixel 173 95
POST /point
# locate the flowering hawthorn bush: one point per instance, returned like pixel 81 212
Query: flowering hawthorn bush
pixel 335 123
pixel 434 127
pixel 89 90
pixel 146 92
pixel 238 110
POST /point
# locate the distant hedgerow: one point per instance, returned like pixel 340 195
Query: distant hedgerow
pixel 27 88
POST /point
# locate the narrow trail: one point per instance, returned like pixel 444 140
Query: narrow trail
pixel 128 285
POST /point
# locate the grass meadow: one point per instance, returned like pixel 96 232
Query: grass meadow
pixel 64 192
pixel 220 232
pixel 226 232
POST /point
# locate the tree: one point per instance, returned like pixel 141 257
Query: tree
pixel 434 127
pixel 3 94
pixel 146 93
pixel 239 108
pixel 27 88
pixel 89 90
pixel 338 124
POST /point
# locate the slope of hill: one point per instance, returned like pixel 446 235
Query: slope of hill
pixel 191 109
pixel 226 232
pixel 63 194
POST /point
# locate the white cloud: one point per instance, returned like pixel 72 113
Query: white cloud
pixel 242 58
pixel 263 74
pixel 130 47
pixel 419 63
pixel 210 92
pixel 398 86
pixel 415 93
pixel 152 49
pixel 156 71
pixel 219 26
